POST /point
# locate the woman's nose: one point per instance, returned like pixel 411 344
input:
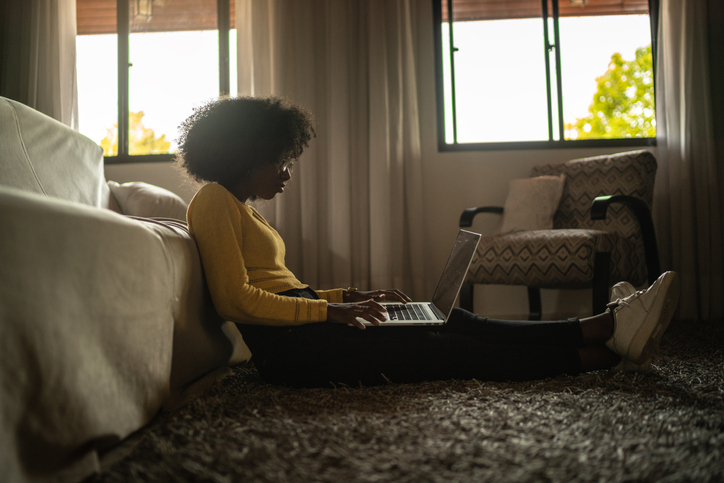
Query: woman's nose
pixel 286 174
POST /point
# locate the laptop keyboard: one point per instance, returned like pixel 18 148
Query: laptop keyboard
pixel 405 312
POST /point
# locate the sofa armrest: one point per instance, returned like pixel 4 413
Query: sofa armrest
pixel 641 211
pixel 41 155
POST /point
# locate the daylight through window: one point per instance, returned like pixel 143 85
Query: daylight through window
pixel 177 57
pixel 536 73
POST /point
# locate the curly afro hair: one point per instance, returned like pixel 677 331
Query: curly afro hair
pixel 225 139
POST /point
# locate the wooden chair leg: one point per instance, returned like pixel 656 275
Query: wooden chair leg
pixel 466 297
pixel 601 267
pixel 534 304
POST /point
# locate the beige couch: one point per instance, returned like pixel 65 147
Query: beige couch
pixel 104 318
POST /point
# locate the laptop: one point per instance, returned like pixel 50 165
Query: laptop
pixel 446 293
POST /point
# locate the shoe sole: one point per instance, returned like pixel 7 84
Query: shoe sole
pixel 645 348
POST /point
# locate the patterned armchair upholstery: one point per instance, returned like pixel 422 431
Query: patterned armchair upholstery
pixel 586 248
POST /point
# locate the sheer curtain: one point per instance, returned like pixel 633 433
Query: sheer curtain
pixel 688 201
pixel 38 67
pixel 353 215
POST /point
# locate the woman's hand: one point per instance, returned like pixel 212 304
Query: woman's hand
pixel 378 296
pixel 368 310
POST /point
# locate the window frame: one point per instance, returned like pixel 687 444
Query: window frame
pixel 223 18
pixel 444 146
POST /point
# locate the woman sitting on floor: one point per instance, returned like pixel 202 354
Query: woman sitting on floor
pixel 244 149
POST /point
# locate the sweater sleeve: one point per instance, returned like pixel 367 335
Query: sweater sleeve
pixel 215 222
pixel 333 296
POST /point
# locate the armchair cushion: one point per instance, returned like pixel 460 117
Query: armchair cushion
pixel 546 258
pixel 531 203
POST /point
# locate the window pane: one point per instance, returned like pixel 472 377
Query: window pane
pixel 608 88
pixel 174 55
pixel 174 66
pixel 171 72
pixel 500 81
pixel 554 129
pixel 602 88
pixel 97 71
pixel 447 83
pixel 233 74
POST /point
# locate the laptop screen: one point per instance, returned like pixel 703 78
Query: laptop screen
pixel 455 270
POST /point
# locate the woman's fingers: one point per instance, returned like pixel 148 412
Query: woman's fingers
pixel 355 313
pixel 371 311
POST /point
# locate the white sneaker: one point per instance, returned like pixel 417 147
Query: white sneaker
pixel 622 290
pixel 641 319
pixel 619 291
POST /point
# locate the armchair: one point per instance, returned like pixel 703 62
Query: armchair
pixel 602 233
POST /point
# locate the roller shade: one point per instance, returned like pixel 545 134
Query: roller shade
pixel 465 10
pixel 99 16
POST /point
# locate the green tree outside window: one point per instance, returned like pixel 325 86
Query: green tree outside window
pixel 141 140
pixel 623 106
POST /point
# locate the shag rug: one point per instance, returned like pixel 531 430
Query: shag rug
pixel 665 425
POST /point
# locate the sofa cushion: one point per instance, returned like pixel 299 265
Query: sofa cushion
pixel 148 201
pixel 42 155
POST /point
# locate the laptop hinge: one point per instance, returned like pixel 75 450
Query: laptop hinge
pixel 437 312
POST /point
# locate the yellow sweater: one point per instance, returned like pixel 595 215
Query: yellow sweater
pixel 243 260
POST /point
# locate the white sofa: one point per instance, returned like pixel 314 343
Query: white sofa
pixel 104 317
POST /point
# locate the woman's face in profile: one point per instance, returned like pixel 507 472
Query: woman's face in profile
pixel 270 179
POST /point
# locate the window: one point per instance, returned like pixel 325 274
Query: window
pixel 522 74
pixel 142 67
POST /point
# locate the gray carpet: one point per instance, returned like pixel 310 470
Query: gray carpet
pixel 666 425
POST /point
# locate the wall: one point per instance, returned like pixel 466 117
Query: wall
pixel 452 182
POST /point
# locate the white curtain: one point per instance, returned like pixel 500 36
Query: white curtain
pixel 353 215
pixel 688 199
pixel 53 80
pixel 39 57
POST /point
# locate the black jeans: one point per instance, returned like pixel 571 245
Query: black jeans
pixel 467 347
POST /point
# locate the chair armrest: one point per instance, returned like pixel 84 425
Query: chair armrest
pixel 466 218
pixel 643 215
